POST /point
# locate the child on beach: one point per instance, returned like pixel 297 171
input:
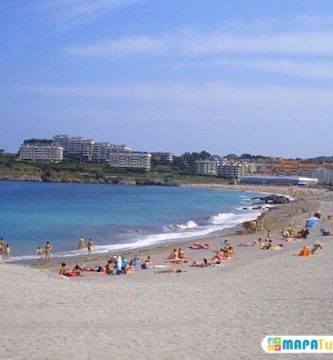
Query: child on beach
pixel 39 251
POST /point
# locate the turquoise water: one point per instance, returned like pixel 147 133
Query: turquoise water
pixel 114 216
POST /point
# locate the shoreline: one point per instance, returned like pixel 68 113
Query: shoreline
pixel 307 195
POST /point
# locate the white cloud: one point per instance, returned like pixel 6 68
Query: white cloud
pixel 307 69
pixel 125 46
pixel 195 43
pixel 71 13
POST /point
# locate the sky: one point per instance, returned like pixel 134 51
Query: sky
pixel 241 76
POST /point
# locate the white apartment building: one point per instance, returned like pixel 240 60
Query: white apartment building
pixel 40 151
pixel 234 170
pixel 206 167
pixel 103 150
pixel 78 146
pixel 138 160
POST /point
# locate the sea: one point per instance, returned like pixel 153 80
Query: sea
pixel 116 217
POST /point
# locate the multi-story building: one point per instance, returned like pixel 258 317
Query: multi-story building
pixel 77 147
pixel 206 167
pixel 233 170
pixel 138 160
pixel 103 150
pixel 162 156
pixel 40 150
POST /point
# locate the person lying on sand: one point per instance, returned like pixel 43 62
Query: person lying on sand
pixel 270 246
pixel 219 256
pixel 205 263
pixel 324 232
pixel 177 261
pixel 199 245
pixel 169 271
pixel 251 243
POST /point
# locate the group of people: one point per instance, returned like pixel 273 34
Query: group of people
pixel 115 266
pixel 290 233
pixel 177 257
pixel 226 252
pixel 89 246
pixel 46 251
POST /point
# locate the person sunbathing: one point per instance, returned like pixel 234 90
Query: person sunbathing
pixel 203 264
pixel 181 254
pixel 147 263
pixel 173 255
pixel 168 271
pixel 109 267
pixel 64 270
pixel 177 261
pixel 305 251
pixel 325 232
pixel 257 242
pixel 316 246
pixel 244 244
pixel 76 270
pixel 219 256
pixel 199 245
pixel 229 251
pixel 267 245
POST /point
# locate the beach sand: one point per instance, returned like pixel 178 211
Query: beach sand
pixel 216 312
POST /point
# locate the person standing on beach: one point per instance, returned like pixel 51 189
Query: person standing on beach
pixel 81 242
pixel 90 245
pixel 47 250
pixel 7 251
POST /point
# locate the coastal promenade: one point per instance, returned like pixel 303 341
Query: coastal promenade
pixel 218 312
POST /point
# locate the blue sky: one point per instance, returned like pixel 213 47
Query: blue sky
pixel 241 76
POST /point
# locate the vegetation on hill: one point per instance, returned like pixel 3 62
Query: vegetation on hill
pixel 181 172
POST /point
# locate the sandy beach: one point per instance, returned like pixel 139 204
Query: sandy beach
pixel 218 312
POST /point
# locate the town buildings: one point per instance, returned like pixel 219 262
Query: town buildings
pixel 262 169
pixel 84 149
